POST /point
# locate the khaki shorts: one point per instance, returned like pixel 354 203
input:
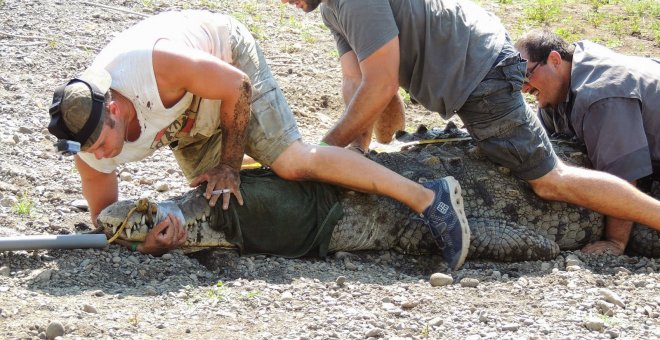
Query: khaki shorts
pixel 272 127
pixel 504 126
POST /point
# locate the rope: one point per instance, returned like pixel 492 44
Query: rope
pixel 142 205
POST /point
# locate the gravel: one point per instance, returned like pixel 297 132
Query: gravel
pixel 114 293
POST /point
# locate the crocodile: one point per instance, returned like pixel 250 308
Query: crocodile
pixel 508 221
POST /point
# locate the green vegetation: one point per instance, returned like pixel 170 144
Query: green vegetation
pixel 405 96
pixel 149 3
pixel 211 4
pixel 610 22
pixel 596 4
pixel 217 292
pixel 24 205
pixel 543 11
pixel 424 333
pixel 613 42
pixel 568 34
pixel 249 14
pixel 252 294
pixel 308 37
pixel 595 18
pixel 608 321
pixel 293 23
pixel 52 43
pixel 643 16
pixel 256 31
pixel 250 7
pixel 281 13
pixel 133 320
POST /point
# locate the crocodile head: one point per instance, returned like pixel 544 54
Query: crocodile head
pixel 112 217
pixel 192 209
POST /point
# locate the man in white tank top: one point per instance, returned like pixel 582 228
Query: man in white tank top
pixel 198 82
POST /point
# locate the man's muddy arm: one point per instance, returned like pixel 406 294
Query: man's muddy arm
pixel 180 69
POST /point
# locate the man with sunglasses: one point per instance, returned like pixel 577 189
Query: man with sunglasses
pixel 197 82
pixel 608 100
pixel 455 58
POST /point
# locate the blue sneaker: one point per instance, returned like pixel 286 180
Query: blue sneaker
pixel 446 219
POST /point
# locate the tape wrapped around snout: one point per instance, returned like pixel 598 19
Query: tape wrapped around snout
pixel 167 207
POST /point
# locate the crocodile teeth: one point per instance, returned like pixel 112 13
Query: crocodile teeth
pixel 114 229
pixel 203 217
pixel 144 219
pixel 128 232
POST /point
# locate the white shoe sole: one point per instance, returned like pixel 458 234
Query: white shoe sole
pixel 457 203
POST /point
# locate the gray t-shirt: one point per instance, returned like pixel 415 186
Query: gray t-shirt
pixel 447 46
pixel 616 109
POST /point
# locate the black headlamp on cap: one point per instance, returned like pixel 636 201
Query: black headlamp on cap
pixel 68 142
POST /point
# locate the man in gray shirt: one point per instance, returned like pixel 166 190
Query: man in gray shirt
pixel 607 100
pixel 455 58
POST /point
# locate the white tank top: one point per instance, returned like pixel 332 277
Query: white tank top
pixel 128 59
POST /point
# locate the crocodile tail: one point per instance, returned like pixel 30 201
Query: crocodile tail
pixel 504 241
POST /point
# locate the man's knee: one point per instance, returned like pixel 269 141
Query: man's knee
pixel 391 120
pixel 550 185
pixel 293 163
pixel 543 187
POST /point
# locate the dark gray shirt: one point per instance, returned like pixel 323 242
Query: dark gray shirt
pixel 446 46
pixel 616 109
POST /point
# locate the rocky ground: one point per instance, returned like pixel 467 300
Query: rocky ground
pixel 113 293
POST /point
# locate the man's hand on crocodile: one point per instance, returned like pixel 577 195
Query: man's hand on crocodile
pixel 166 235
pixel 220 178
pixel 602 247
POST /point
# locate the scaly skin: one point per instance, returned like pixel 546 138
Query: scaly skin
pixel 507 220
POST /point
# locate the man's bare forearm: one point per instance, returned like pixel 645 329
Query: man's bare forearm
pixel 234 128
pixel 363 110
pixel 99 189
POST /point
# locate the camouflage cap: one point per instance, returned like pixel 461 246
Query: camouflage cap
pixel 74 115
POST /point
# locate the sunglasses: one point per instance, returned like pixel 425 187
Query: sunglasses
pixel 528 74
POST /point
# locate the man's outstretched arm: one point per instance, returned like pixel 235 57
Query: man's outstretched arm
pixel 617 234
pixel 379 83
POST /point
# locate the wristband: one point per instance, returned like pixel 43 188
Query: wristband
pixel 134 245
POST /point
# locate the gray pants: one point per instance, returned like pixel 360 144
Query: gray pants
pixel 503 125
